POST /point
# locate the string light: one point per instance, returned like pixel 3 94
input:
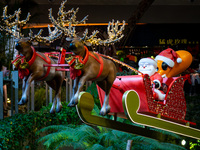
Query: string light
pixel 183 142
pixel 121 63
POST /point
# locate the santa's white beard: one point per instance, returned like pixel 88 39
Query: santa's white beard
pixel 150 72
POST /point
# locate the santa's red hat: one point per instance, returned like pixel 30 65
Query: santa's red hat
pixel 148 60
pixel 169 56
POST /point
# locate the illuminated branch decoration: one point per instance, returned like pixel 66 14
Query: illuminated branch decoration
pixel 114 34
pixel 53 35
pixel 14 28
pixel 69 17
pixel 64 18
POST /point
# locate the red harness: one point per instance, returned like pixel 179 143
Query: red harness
pixel 25 71
pixel 77 72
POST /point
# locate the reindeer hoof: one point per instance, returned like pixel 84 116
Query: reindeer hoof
pixel 59 108
pixel 103 111
pixel 52 110
pixel 22 102
pixel 71 105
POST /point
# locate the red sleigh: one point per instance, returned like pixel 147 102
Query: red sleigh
pixel 131 97
pixel 172 108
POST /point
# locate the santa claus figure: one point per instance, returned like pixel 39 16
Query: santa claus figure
pixel 149 66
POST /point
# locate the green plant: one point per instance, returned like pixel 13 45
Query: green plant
pixel 89 138
pixel 195 145
pixel 18 132
pixel 100 138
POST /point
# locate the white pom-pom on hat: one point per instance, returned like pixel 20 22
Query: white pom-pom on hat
pixel 179 60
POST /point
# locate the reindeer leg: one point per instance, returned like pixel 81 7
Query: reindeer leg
pixel 24 84
pixel 59 104
pixel 74 89
pixel 55 84
pixel 75 86
pixel 52 84
pixel 106 107
pixel 80 85
pixel 25 93
pixel 25 90
pixel 106 86
pixel 58 92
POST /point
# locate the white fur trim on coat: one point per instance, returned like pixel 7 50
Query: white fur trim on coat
pixel 161 96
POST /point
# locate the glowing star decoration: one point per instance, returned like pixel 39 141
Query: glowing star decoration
pixel 149 66
pixel 171 63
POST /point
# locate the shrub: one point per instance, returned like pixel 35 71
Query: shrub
pixel 18 132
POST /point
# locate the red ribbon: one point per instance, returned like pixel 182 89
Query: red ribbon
pixel 74 73
pixel 77 72
pixel 21 72
pixel 24 72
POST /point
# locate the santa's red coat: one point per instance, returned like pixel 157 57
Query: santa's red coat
pixel 158 77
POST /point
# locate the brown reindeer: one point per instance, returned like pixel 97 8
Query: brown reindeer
pixel 31 63
pixel 86 65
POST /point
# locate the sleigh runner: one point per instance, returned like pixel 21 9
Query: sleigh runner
pixel 173 107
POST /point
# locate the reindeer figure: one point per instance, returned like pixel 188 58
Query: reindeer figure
pixel 86 65
pixel 29 62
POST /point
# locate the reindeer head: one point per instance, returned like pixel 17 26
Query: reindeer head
pixel 14 28
pixel 23 45
pixel 77 43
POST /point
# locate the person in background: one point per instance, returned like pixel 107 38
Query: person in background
pixel 4 69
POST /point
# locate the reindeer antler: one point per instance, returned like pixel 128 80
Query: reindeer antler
pixel 13 28
pixel 53 35
pixel 64 18
pixel 114 32
pixel 17 25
